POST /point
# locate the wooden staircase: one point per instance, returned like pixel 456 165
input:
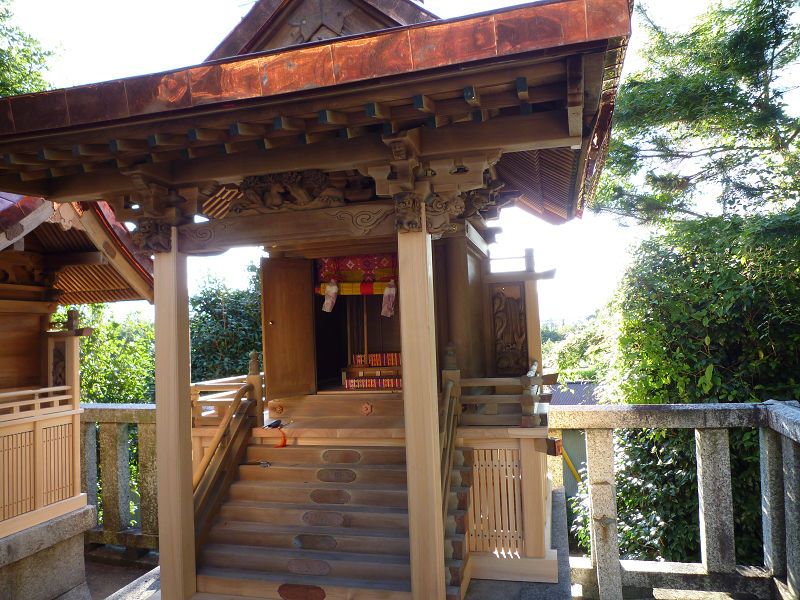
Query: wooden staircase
pixel 324 522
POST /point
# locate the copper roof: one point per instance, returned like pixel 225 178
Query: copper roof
pixel 53 139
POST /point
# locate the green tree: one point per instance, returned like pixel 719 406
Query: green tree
pixel 225 327
pixel 709 311
pixel 22 58
pixel 707 118
pixel 117 361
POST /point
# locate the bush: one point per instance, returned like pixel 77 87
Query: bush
pixel 225 327
pixel 709 311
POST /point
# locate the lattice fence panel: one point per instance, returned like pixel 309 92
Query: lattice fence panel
pixel 496 509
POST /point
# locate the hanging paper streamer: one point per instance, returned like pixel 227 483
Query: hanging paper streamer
pixel 331 293
pixel 389 294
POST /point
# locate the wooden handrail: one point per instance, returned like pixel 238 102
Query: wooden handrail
pixel 218 435
pixel 447 428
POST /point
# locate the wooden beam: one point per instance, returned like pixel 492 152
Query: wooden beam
pixel 155 140
pixel 247 129
pixel 532 320
pixel 420 399
pixel 54 154
pixel 19 158
pixel 129 145
pixel 472 96
pixel 517 276
pixel 199 134
pixel 378 110
pixel 510 134
pixel 521 85
pixel 26 306
pixel 332 117
pixel 363 222
pixel 59 261
pixel 575 94
pixel 424 103
pixel 288 124
pixel 173 426
pixel 89 150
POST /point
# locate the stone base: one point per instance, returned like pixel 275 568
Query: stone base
pixel 45 562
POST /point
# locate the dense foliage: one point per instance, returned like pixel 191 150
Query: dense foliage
pixel 225 327
pixel 117 363
pixel 709 311
pixel 707 118
pixel 22 58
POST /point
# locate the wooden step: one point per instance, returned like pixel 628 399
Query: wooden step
pixel 309 515
pixel 325 455
pixel 273 586
pixel 491 399
pixel 490 420
pixel 319 493
pixel 356 406
pixel 340 474
pixel 307 563
pixel 330 539
pixel 491 382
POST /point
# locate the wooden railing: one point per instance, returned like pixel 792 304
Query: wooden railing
pixel 210 399
pixel 448 423
pixel 509 512
pixel 605 575
pixel 39 457
pixel 110 435
pixel 218 466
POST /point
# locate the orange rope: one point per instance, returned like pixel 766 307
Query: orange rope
pixel 282 443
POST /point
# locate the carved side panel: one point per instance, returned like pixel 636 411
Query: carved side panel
pixel 57 369
pixel 509 323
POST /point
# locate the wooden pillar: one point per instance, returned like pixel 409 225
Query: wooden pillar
pixel 533 464
pixel 420 398
pixel 532 314
pixel 173 430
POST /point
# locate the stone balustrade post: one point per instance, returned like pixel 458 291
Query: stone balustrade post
pixel 89 462
pixel 716 500
pixel 115 476
pixel 772 512
pixel 148 484
pixel 603 507
pixel 791 500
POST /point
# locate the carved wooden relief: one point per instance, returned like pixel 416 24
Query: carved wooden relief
pixel 293 190
pixel 152 235
pixel 58 368
pixel 510 336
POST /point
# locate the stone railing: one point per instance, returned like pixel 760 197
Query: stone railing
pixel 605 576
pixel 105 434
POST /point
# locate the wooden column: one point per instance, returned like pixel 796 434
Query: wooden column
pixel 173 429
pixel 533 464
pixel 532 314
pixel 420 398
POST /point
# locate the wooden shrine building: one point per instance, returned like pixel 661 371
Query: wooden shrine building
pixel 366 145
pixel 50 255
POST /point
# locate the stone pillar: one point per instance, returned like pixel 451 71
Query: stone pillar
pixel 174 427
pixel 89 462
pixel 791 499
pixel 716 500
pixel 603 507
pixel 772 515
pixel 115 476
pixel 148 485
pixel 421 403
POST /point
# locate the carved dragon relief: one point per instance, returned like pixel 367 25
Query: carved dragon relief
pixel 511 341
pixel 293 190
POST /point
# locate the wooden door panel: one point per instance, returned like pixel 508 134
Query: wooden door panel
pixel 288 324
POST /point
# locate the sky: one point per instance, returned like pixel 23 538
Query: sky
pixel 99 40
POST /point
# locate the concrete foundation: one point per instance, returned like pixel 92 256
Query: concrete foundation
pixel 45 562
